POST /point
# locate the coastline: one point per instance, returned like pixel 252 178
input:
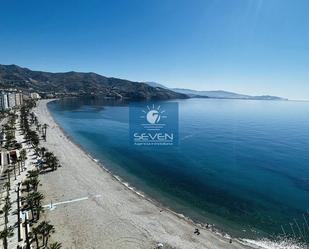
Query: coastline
pixel 172 229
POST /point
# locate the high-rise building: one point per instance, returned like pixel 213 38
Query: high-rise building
pixel 4 104
pixel 18 99
pixel 11 100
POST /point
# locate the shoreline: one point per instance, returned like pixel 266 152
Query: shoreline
pixel 210 233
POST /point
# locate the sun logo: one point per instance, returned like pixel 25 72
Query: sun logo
pixel 152 114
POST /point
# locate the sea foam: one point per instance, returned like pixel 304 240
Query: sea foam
pixel 269 244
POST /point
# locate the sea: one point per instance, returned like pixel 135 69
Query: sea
pixel 240 166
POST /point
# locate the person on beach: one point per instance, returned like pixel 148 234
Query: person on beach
pixel 197 231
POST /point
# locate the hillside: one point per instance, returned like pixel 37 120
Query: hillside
pixel 219 94
pixel 155 84
pixel 77 83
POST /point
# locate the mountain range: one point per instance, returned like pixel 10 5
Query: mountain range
pixel 76 83
pixel 79 83
pixel 218 94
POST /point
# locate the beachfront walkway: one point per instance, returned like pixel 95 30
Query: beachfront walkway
pixel 13 217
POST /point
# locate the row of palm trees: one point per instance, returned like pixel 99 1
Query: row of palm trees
pixel 41 128
pixel 7 232
pixel 33 199
pixel 9 131
pixel 31 136
pixel 32 202
pixel 6 204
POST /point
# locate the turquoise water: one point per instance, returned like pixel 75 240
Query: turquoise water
pixel 241 165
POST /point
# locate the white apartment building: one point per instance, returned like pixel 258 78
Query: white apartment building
pixel 4 103
pixel 35 96
pixel 11 99
pixel 18 99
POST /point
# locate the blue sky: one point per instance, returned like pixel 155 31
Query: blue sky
pixel 248 46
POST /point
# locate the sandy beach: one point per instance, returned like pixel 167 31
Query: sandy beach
pixel 94 210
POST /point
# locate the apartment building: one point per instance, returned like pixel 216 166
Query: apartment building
pixel 35 95
pixel 4 103
pixel 11 99
pixel 18 99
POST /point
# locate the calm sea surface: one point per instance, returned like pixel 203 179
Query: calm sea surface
pixel 242 165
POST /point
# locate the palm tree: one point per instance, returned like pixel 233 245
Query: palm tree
pixel 31 183
pixel 18 212
pixel 36 233
pixel 8 187
pixel 43 150
pixel 55 245
pixel 54 163
pixel 34 138
pixel 27 184
pixel 34 182
pixel 48 154
pixel 4 235
pixel 33 173
pixel 51 160
pixel 5 210
pixel 44 129
pixel 39 127
pixel 38 209
pixel 34 201
pixel 8 171
pixel 46 229
pixel 23 155
pixel 31 117
pixel 48 158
